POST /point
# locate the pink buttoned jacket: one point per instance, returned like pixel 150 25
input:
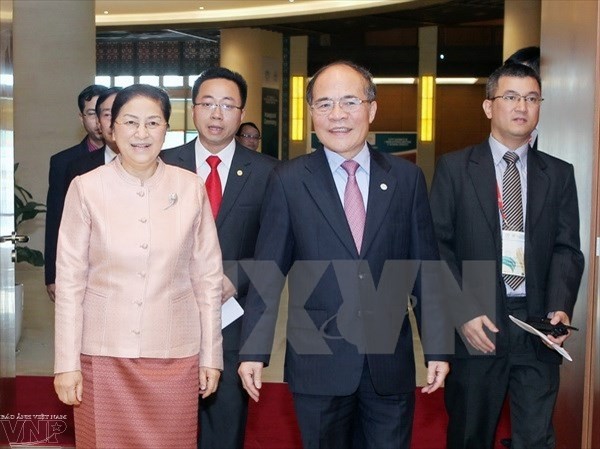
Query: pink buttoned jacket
pixel 138 269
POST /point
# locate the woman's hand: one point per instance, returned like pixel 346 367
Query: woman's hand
pixel 209 381
pixel 69 387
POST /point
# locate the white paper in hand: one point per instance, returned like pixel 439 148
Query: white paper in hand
pixel 230 311
pixel 532 330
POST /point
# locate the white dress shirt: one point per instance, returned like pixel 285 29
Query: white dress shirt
pixel 340 176
pixel 226 156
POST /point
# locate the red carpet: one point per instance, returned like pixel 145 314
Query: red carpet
pixel 38 416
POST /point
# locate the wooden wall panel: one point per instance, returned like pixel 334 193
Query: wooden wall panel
pixel 396 108
pixel 460 120
pixel 569 128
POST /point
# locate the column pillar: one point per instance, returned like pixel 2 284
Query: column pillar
pixel 298 67
pixel 427 67
pixel 257 56
pixel 54 59
pixel 522 23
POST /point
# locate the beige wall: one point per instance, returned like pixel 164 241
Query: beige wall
pixel 253 53
pixel 54 59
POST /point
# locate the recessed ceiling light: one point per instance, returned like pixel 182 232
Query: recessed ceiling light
pixel 291 1
pixel 105 12
pixel 201 8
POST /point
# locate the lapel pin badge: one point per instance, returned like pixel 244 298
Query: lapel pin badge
pixel 383 186
pixel 172 200
pixel 239 173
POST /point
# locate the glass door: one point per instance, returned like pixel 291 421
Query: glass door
pixel 7 228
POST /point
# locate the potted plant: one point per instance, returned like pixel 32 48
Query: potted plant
pixel 25 209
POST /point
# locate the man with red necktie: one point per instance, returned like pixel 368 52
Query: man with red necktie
pixel 235 179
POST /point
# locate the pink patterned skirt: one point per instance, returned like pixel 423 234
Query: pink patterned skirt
pixel 137 403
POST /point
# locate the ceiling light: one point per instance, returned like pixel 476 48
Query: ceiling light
pixel 394 80
pixel 456 80
pixel 201 8
pixel 409 80
pixel 105 12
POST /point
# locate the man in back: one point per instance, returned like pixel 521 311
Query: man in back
pixel 105 154
pixel 248 135
pixel 86 101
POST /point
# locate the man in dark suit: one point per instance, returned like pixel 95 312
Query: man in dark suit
pixel 502 201
pixel 236 185
pixel 333 219
pixel 86 101
pixel 109 151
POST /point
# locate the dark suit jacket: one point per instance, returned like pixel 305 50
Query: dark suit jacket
pixel 239 214
pixel 303 220
pixel 55 201
pixel 465 212
pixel 84 164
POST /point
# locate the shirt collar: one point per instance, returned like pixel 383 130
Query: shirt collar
pixel 109 154
pixel 498 151
pixel 226 154
pixel 335 160
pixel 90 145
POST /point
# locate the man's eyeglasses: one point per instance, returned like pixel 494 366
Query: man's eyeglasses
pixel 249 136
pixel 225 108
pixel 346 104
pixel 532 100
pixel 133 126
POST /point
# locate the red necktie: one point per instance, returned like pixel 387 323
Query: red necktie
pixel 213 185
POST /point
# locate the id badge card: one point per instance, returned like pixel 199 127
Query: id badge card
pixel 513 253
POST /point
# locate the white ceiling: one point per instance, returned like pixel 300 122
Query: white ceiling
pixel 147 12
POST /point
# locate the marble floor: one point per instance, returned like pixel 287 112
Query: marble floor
pixel 35 351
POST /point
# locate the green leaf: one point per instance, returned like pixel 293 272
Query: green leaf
pixel 28 255
pixel 26 209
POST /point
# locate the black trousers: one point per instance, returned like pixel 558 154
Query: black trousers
pixel 362 420
pixel 476 388
pixel 223 415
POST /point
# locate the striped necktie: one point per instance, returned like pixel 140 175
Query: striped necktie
pixel 512 205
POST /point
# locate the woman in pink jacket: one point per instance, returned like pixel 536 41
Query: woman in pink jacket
pixel 138 290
